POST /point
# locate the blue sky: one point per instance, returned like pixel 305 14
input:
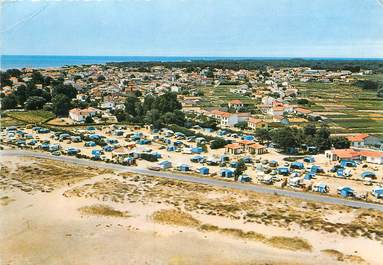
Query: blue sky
pixel 266 28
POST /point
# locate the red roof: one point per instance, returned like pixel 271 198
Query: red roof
pixel 257 146
pixel 303 111
pixel 346 153
pixel 233 146
pixel 236 102
pixel 358 137
pixel 371 153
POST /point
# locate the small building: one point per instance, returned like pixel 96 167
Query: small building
pixel 257 149
pixel 233 149
pixel 254 123
pixel 79 115
pixel 235 104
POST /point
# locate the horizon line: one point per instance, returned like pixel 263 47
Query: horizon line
pixel 205 56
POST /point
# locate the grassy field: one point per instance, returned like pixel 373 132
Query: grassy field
pixel 33 116
pixel 349 108
pixel 216 96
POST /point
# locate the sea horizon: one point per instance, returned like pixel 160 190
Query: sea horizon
pixel 12 61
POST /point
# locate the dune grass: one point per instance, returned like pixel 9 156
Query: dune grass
pixel 175 217
pixel 102 210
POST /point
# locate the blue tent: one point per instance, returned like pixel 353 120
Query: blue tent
pixel 94 136
pixel 309 176
pixel 96 153
pixel 244 178
pixel 224 158
pixel 348 163
pixel 247 159
pixel 297 165
pixel 248 137
pixel 156 155
pixel 72 151
pixel 171 148
pixel 309 159
pixel 340 172
pixel 346 192
pixel 196 159
pixel 368 174
pixel 44 146
pixel 197 150
pixel 204 170
pixel 91 128
pixel 226 173
pixel 143 141
pixel 108 148
pixel 165 164
pixel 64 136
pixel 316 169
pixel 90 144
pixel 234 164
pixel 178 143
pixel 283 171
pixel 184 167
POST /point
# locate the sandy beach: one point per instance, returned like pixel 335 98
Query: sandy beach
pixel 52 227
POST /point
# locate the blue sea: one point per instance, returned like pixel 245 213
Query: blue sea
pixel 45 61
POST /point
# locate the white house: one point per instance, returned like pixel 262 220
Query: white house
pixel 80 115
pixel 229 119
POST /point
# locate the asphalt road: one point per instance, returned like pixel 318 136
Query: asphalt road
pixel 208 181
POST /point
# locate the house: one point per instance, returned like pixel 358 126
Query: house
pixel 363 139
pixel 235 104
pixel 229 119
pixel 234 149
pixel 302 111
pixel 374 157
pixel 257 149
pixel 79 115
pixel 370 156
pixel 339 154
pixel 254 123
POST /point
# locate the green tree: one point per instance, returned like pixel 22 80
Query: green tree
pixel 88 119
pixel 67 90
pixel 61 105
pixel 130 105
pixel 323 138
pixel 263 135
pixel 241 167
pixel 340 142
pixel 21 93
pixel 34 103
pixel 241 125
pixel 284 138
pixel 310 129
pixel 218 143
pixel 8 102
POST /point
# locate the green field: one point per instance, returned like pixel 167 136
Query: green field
pixel 33 116
pixel 349 108
pixel 216 96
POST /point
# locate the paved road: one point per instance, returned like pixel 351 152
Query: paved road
pixel 200 180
